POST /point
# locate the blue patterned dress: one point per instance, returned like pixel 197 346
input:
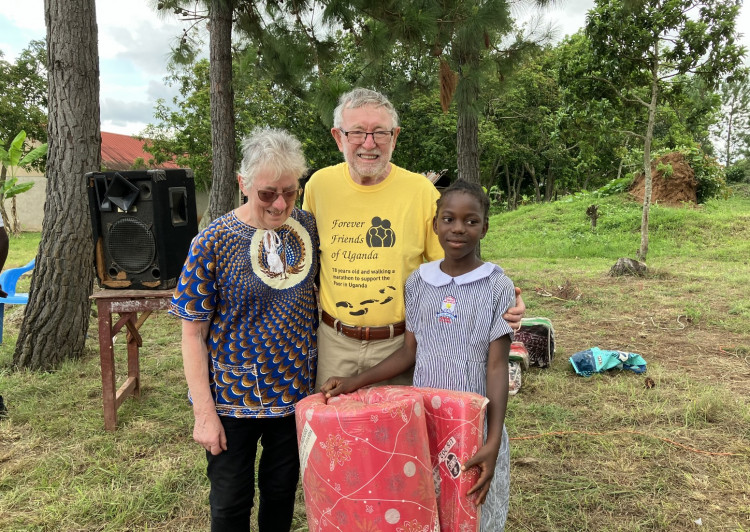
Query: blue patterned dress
pixel 454 319
pixel 262 311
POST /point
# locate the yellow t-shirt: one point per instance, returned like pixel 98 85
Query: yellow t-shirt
pixel 371 239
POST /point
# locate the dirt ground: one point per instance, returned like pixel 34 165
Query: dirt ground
pixel 707 354
pixel 674 190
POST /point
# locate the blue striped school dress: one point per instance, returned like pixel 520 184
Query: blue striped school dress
pixel 454 319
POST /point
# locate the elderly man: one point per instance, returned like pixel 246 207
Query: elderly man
pixel 375 226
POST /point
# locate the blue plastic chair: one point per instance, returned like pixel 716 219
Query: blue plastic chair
pixel 8 280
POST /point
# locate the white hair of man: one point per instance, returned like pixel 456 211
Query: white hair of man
pixel 360 97
pixel 271 149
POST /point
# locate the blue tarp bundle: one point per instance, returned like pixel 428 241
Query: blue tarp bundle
pixel 595 360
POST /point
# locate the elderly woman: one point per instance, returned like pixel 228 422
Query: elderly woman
pixel 249 316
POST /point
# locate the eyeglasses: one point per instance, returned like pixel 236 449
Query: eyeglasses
pixel 269 196
pixel 360 137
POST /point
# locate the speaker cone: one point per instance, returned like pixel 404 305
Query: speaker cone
pixel 131 245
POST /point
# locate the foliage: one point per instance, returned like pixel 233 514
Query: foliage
pixel 23 102
pixel 709 173
pixel 454 42
pixel 615 186
pixel 427 140
pixel 526 110
pixel 13 159
pixel 734 127
pixel 548 121
pixel 183 129
pixel 666 170
pixel 10 161
pixel 597 128
pixel 642 49
pixel 738 172
pixel 688 111
pixel 23 93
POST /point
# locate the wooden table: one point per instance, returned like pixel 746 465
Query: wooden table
pixel 128 304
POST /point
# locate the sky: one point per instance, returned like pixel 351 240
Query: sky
pixel 134 46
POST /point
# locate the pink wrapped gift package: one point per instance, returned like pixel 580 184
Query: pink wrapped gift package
pixel 365 462
pixel 389 458
pixel 455 428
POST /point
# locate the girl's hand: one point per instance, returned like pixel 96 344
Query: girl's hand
pixel 485 460
pixel 337 385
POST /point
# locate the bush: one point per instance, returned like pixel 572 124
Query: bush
pixel 708 172
pixel 739 172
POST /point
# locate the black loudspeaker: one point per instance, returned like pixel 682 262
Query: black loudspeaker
pixel 143 222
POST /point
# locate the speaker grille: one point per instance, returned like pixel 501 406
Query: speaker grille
pixel 131 245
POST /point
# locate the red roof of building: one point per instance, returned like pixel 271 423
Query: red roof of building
pixel 119 152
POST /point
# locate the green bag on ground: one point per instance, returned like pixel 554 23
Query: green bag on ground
pixel 595 360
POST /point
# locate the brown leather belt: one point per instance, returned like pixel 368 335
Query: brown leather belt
pixel 365 333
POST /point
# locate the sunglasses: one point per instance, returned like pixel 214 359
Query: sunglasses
pixel 269 196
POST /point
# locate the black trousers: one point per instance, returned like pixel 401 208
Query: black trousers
pixel 232 475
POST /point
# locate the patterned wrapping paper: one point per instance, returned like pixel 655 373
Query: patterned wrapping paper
pixel 455 428
pixel 373 460
pixel 365 463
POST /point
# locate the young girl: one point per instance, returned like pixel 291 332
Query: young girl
pixel 456 338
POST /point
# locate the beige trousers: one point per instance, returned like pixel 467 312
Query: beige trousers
pixel 341 356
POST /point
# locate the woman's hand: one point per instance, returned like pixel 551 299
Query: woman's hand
pixel 209 433
pixel 485 460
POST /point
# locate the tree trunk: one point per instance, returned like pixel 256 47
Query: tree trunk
pixel 466 145
pixel 496 179
pixel 730 124
pixel 532 172
pixel 223 182
pixel 467 128
pixel 549 184
pixel 467 135
pixel 622 159
pixel 6 221
pixel 643 251
pixel 14 216
pixel 514 186
pixel 509 187
pixel 57 315
pixel 517 182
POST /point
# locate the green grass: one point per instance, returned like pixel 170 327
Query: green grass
pixel 22 249
pixel 561 230
pixel 587 454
